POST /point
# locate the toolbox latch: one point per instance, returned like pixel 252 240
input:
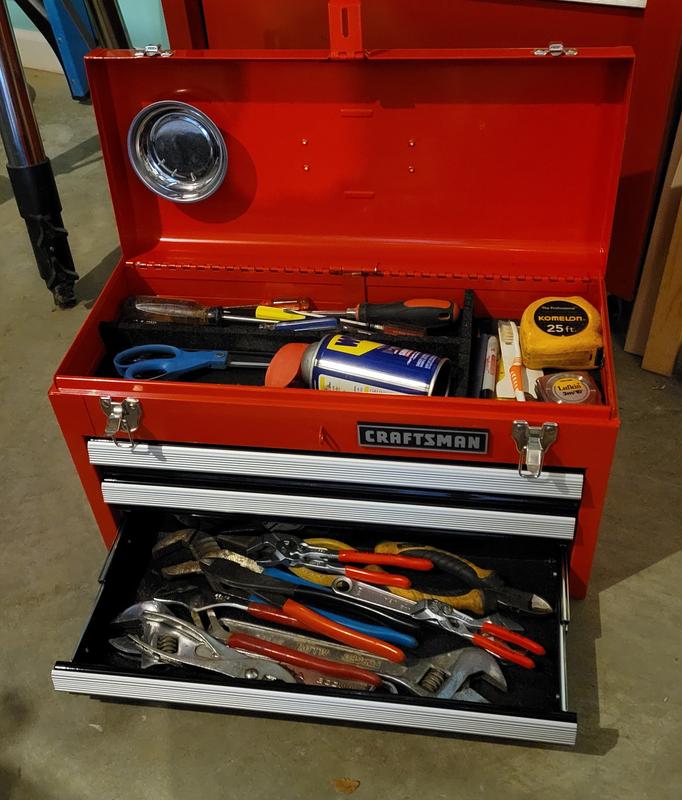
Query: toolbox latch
pixel 532 442
pixel 150 50
pixel 122 416
pixel 555 49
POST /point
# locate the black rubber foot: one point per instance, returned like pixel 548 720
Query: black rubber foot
pixel 65 296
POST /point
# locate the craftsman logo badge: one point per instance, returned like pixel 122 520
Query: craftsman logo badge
pixel 422 437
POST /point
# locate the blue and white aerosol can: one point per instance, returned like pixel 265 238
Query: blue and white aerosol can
pixel 341 363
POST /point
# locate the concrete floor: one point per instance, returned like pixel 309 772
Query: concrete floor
pixel 624 644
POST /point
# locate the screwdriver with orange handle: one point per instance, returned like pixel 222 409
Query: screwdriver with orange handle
pixel 425 313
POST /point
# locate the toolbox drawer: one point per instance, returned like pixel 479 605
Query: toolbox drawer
pixel 477 499
pixel 534 709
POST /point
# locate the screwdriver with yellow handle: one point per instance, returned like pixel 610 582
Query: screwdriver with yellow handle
pixel 487 592
pixel 189 312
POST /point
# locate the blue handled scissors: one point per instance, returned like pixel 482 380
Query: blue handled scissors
pixel 163 362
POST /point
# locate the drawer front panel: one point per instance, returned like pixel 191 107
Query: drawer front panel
pixel 327 707
pixel 190 498
pixel 503 481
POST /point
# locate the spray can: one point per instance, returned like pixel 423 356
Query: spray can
pixel 341 363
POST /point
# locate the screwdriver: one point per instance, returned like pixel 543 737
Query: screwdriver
pixel 329 320
pixel 427 313
pixel 189 312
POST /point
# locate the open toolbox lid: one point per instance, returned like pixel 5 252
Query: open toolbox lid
pixel 474 162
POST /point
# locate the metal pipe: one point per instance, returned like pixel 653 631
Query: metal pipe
pixel 18 126
pixel 30 173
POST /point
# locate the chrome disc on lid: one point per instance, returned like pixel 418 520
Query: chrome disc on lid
pixel 177 151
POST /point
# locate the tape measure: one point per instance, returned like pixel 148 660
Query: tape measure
pixel 561 332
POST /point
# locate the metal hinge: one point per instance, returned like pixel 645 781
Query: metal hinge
pixel 532 442
pixel 345 29
pixel 152 50
pixel 123 415
pixel 555 49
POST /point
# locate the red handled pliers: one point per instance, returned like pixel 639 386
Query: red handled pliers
pixel 480 632
pixel 289 551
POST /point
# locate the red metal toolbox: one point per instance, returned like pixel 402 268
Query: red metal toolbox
pixel 356 176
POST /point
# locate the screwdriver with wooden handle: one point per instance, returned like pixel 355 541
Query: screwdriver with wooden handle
pixel 487 593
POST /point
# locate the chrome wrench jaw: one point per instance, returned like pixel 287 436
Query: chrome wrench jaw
pixel 472 662
pixel 168 639
pixel 446 676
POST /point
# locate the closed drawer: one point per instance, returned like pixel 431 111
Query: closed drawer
pixel 454 497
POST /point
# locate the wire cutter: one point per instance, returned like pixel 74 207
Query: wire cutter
pixel 286 550
pixel 487 591
pixel 480 632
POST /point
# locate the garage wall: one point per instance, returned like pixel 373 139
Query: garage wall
pixel 144 21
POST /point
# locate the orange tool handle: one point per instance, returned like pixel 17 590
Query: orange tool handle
pixel 314 622
pixel 427 313
pixel 378 578
pixel 506 635
pixel 501 650
pixel 271 614
pixel 516 376
pixel 287 655
pixel 385 559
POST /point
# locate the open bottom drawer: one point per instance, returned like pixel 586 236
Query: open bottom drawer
pixel 533 708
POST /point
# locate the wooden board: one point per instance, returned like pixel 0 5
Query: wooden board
pixel 665 336
pixel 659 245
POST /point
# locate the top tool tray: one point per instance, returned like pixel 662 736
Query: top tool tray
pixel 119 335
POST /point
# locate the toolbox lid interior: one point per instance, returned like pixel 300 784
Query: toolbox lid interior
pixel 483 162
